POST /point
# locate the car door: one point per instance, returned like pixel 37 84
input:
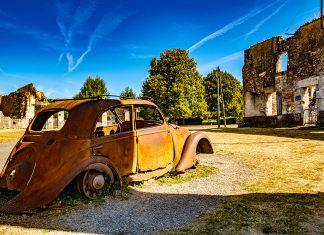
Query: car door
pixel 114 137
pixel 154 140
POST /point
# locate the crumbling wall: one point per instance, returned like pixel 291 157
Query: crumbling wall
pixel 18 108
pixel 270 92
pixel 16 103
pixel 260 65
pixel 306 52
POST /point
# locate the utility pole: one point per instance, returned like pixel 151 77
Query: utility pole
pixel 223 104
pixel 218 105
pixel 321 15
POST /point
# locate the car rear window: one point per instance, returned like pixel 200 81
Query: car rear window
pixel 52 120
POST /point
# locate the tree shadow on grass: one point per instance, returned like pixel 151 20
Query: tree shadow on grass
pixel 144 213
pixel 296 133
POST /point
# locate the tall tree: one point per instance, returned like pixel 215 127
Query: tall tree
pixel 128 93
pixel 232 93
pixel 92 88
pixel 176 86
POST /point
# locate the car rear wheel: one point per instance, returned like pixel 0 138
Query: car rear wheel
pixel 92 183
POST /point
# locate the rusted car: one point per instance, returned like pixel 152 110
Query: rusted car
pixel 96 143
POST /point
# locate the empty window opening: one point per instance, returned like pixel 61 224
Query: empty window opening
pixel 312 96
pixel 282 62
pixel 271 104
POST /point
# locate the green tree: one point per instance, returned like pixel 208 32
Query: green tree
pixel 232 93
pixel 92 88
pixel 128 93
pixel 176 86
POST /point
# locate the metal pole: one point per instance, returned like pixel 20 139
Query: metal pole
pixel 218 105
pixel 223 104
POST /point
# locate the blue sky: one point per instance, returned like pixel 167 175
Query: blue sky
pixel 57 44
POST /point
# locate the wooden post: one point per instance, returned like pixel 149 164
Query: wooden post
pixel 218 105
pixel 223 104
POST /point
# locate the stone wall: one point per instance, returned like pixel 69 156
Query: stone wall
pixel 285 95
pixel 260 65
pixel 12 123
pixel 18 108
pixel 306 52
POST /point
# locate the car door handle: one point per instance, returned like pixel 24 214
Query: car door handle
pixel 98 147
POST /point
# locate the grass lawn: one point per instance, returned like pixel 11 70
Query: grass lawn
pixel 286 194
pixel 10 135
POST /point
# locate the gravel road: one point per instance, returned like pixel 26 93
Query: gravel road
pixel 142 211
pixel 5 149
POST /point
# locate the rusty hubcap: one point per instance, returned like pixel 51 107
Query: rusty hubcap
pixel 98 182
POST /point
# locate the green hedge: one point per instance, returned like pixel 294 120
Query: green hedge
pixel 229 120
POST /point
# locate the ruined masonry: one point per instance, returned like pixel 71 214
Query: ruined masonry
pixel 18 108
pixel 283 80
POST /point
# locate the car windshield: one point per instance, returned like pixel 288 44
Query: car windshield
pixel 52 120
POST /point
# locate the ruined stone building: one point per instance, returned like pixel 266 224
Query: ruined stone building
pixel 283 80
pixel 18 108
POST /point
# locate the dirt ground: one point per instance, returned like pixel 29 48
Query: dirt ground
pixel 274 163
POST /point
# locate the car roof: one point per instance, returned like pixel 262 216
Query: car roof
pixel 70 104
pixel 83 113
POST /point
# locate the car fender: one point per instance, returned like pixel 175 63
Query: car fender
pixel 197 142
pixel 34 197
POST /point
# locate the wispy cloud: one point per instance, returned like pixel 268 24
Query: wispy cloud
pixel 107 25
pixel 69 26
pixel 73 65
pixel 70 19
pixel 262 22
pixel 5 14
pixel 231 26
pixel 212 65
pixel 46 41
pixel 60 58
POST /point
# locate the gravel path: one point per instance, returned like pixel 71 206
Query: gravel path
pixel 5 149
pixel 151 209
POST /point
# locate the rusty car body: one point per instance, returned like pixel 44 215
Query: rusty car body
pixel 95 142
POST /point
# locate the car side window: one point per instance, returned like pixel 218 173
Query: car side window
pixel 147 116
pixel 53 120
pixel 114 121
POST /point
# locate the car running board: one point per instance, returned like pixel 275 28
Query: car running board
pixel 148 175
